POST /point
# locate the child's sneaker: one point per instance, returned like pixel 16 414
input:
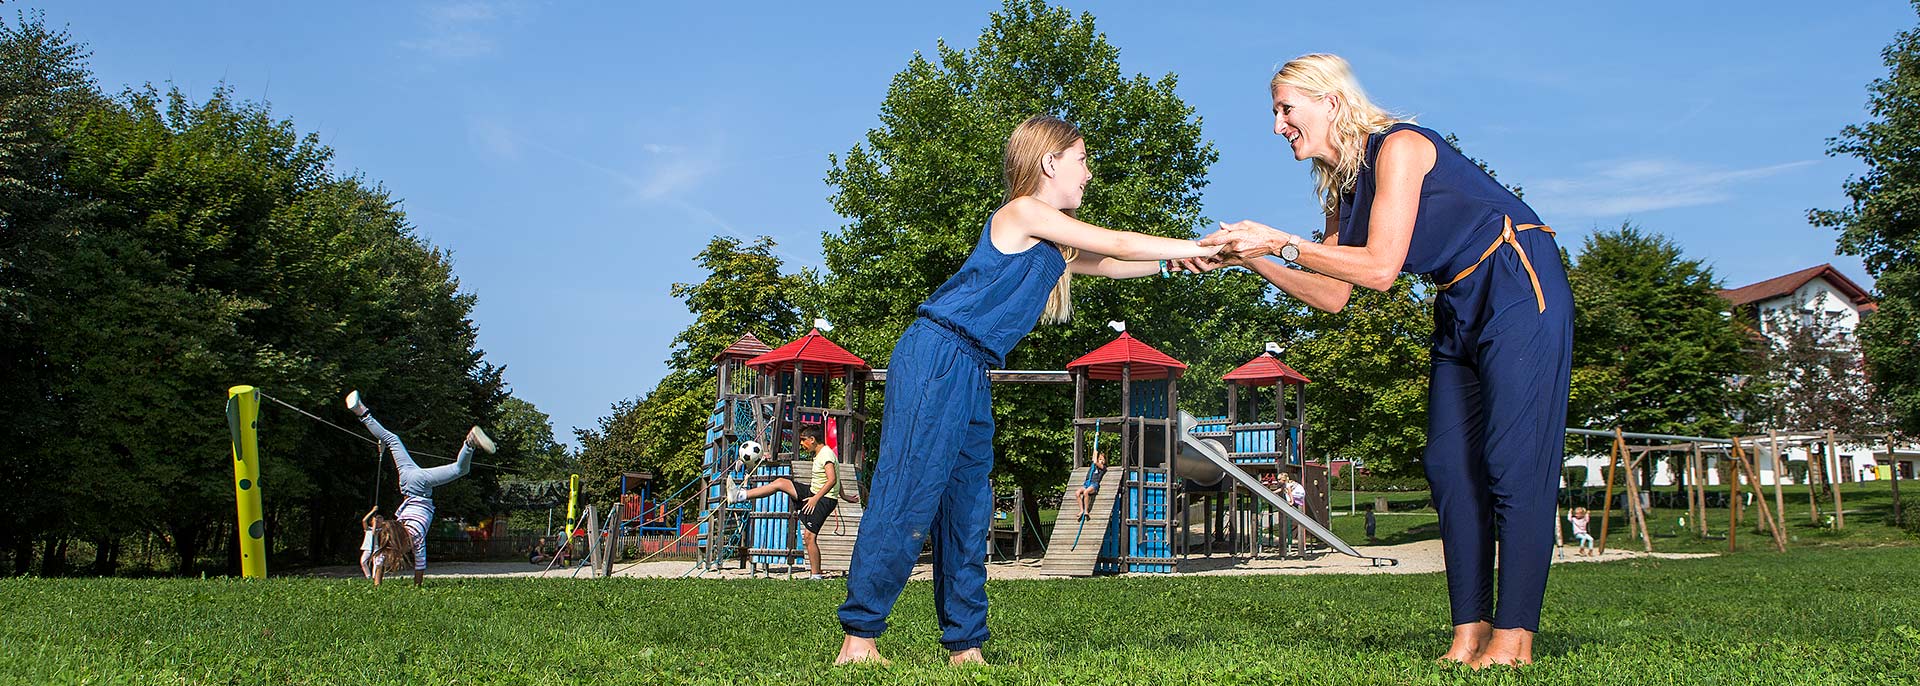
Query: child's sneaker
pixel 816 577
pixel 478 439
pixel 735 494
pixel 353 403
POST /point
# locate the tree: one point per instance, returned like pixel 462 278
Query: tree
pixel 917 192
pixel 159 250
pixel 1813 373
pixel 665 431
pixel 1652 349
pixel 1879 224
pixel 524 435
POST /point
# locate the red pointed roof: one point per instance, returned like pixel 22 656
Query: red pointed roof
pixel 1265 370
pixel 746 348
pixel 813 352
pixel 1148 363
pixel 1785 285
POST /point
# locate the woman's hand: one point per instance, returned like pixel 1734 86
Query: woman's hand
pixel 1249 239
pixel 1202 265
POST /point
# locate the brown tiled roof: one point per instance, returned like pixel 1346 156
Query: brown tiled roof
pixel 747 347
pixel 1785 285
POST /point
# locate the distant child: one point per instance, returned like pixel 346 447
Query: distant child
pixel 1578 518
pixel 368 525
pixel 1091 487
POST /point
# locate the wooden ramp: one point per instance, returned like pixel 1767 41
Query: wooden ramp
pixel 1064 556
pixel 837 535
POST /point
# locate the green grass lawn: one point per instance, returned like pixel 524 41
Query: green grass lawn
pixel 1813 615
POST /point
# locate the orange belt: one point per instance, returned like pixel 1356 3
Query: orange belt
pixel 1506 238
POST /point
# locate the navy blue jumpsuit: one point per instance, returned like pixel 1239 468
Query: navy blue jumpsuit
pixel 1502 358
pixel 936 442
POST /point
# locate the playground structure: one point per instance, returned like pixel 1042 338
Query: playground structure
pixel 766 395
pixel 1161 462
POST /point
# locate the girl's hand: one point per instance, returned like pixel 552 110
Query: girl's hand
pixel 1249 239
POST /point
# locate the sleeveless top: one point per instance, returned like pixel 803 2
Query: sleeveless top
pixel 996 298
pixel 1461 209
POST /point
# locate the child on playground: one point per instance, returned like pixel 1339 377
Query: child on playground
pixel 1578 518
pixel 810 498
pixel 1092 486
pixel 417 484
pixel 937 448
pixel 369 524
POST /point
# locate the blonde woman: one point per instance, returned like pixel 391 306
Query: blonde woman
pixel 1398 198
pixel 937 445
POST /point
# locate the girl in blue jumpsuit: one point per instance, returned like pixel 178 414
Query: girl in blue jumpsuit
pixel 936 441
pixel 1502 342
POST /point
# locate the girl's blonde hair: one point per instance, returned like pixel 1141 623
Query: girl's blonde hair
pixel 1319 75
pixel 392 545
pixel 1039 137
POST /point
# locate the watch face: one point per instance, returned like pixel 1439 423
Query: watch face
pixel 1289 252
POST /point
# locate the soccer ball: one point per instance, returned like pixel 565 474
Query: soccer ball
pixel 750 451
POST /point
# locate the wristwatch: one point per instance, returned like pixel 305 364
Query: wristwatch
pixel 1291 251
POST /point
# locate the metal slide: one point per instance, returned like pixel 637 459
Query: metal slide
pixel 1204 460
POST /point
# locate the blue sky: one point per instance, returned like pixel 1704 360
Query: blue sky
pixel 575 157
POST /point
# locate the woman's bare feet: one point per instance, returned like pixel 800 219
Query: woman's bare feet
pixel 1468 640
pixel 1508 647
pixel 970 656
pixel 857 650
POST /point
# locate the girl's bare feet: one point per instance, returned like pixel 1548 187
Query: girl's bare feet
pixel 859 650
pixel 970 656
pixel 1468 640
pixel 1508 647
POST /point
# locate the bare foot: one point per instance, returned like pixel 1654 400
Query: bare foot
pixel 1468 640
pixel 857 650
pixel 1508 647
pixel 970 656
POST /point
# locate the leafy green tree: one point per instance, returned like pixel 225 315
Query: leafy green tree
pixel 665 431
pixel 159 250
pixel 1879 224
pixel 1653 349
pixel 524 436
pixel 917 191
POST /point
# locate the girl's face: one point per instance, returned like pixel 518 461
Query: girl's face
pixel 1068 174
pixel 1306 122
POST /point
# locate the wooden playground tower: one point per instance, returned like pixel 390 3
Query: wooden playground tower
pixel 767 395
pixel 1141 519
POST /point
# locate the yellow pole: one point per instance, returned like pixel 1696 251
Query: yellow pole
pixel 243 419
pixel 573 500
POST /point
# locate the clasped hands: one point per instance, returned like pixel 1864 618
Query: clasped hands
pixel 1240 242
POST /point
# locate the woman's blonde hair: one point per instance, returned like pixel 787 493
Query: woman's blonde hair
pixel 1319 75
pixel 1034 140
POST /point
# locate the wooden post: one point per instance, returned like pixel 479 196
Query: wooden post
pixel 1637 514
pixel 1839 508
pixel 1760 496
pixel 1019 516
pixel 1733 508
pixel 1893 470
pixel 613 543
pixel 1814 470
pixel 1606 512
pixel 594 549
pixel 1700 487
pixel 1779 471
